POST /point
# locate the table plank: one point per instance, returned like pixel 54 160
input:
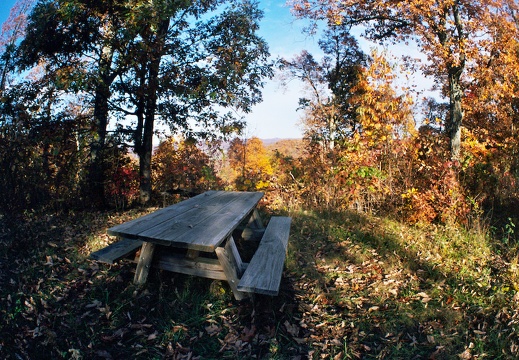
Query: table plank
pixel 210 228
pixel 136 226
pixel 200 223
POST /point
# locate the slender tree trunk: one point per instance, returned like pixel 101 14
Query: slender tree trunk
pixel 5 67
pixel 96 174
pixel 151 97
pixel 453 126
pixel 455 90
pixel 139 131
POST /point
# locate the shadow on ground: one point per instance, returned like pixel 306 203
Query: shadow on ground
pixel 351 289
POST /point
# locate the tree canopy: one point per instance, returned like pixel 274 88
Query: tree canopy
pixel 191 65
pixel 454 36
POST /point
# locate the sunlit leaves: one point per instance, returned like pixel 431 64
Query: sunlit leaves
pixel 451 34
pixel 251 164
pixel 182 165
pixel 383 114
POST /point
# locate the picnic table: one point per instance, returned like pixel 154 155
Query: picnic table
pixel 195 237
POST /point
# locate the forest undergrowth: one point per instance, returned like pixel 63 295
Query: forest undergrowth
pixel 354 287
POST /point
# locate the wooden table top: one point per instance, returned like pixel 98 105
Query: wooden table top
pixel 200 223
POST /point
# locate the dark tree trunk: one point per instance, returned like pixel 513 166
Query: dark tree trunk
pixel 453 126
pixel 96 173
pixel 150 107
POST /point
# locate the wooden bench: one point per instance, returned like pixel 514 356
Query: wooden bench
pixel 116 251
pixel 263 273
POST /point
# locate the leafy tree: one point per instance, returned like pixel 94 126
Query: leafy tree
pixel 330 115
pixel 193 62
pixel 177 62
pixel 452 34
pixel 382 114
pixel 491 166
pixel 182 166
pixel 42 149
pixel 250 161
pixel 77 42
pixel 12 30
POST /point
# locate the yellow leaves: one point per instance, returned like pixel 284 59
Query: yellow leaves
pixel 409 193
pixel 249 159
pixel 382 112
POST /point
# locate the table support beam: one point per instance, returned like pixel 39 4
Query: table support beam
pixel 254 229
pixel 230 267
pixel 144 264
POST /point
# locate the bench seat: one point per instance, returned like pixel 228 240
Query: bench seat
pixel 263 273
pixel 116 251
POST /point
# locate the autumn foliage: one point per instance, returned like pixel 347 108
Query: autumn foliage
pixel 370 141
pixel 250 163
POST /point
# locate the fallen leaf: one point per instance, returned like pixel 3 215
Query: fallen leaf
pixel 248 334
pixel 94 304
pixel 466 355
pixel 292 329
pixel 212 329
pixel 49 261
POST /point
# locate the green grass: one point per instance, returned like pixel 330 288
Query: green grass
pixel 355 286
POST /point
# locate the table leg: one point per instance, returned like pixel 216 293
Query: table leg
pixel 254 228
pixel 230 267
pixel 144 264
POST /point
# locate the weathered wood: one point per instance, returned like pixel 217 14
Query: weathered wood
pixel 208 226
pixel 231 246
pixel 249 234
pixel 200 223
pixel 116 251
pixel 263 274
pixel 143 223
pixel 203 267
pixel 254 229
pixel 226 258
pixel 144 264
pixel 192 254
pixel 255 221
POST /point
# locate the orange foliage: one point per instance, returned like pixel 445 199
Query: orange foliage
pixel 453 35
pixel 383 114
pixel 182 165
pixel 251 164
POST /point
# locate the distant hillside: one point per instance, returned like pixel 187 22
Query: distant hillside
pixel 287 147
pixel 271 141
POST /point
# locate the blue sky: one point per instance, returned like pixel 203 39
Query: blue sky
pixel 276 116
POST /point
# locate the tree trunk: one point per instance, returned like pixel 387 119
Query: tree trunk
pixel 453 126
pixel 145 156
pixel 96 173
pixel 157 50
pixel 455 90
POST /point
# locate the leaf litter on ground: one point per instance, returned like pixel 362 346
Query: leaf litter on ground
pixel 354 287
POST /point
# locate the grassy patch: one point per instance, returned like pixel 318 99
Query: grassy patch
pixel 354 287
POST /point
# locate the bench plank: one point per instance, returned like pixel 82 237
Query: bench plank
pixel 116 251
pixel 263 274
